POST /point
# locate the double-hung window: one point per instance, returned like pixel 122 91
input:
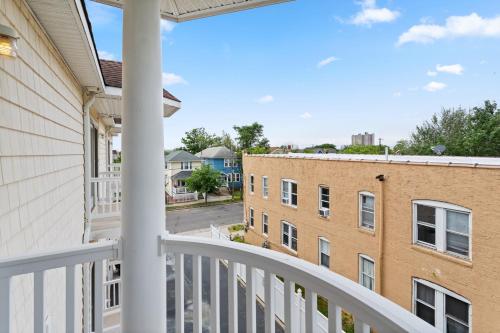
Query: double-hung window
pixel 324 201
pixel 236 177
pixel 441 307
pixel 289 192
pixel 265 187
pixel 289 236
pixel 252 184
pixel 366 272
pixel 367 210
pixel 186 165
pixel 227 163
pixel 324 252
pixel 265 224
pixel 442 226
pixel 251 217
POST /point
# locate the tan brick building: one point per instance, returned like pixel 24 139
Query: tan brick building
pixel 422 231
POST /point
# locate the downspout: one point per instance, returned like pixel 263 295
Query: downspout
pixel 86 232
pixel 380 259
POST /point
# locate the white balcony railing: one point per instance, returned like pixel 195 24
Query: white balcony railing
pixel 106 192
pixel 369 309
pixel 39 264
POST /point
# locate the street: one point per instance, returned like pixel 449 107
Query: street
pixel 187 219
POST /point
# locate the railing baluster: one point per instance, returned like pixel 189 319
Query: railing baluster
pixel 39 306
pixel 311 309
pixel 179 292
pixel 214 296
pixel 5 304
pixel 269 281
pixel 334 318
pixel 250 299
pixel 232 295
pixel 289 294
pixel 197 295
pixel 98 296
pixel 360 327
pixel 70 299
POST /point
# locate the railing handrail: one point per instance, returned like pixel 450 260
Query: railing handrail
pixel 50 259
pixel 370 307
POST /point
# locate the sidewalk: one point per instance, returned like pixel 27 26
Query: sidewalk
pixel 211 198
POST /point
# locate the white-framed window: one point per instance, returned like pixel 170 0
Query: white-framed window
pixel 324 200
pixel 265 224
pixel 441 307
pixel 236 177
pixel 324 252
pixel 251 217
pixel 367 210
pixel 251 184
pixel 366 272
pixel 289 236
pixel 265 186
pixel 289 192
pixel 442 226
pixel 227 163
pixel 186 165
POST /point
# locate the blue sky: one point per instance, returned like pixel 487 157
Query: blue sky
pixel 315 71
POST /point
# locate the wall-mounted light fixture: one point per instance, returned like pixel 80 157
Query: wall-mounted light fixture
pixel 8 41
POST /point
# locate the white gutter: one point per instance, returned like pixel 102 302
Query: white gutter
pixel 86 233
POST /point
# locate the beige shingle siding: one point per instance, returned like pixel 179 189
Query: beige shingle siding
pixel 41 160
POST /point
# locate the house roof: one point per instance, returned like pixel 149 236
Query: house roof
pixel 182 175
pixel 488 162
pixel 216 152
pixel 182 10
pixel 112 74
pixel 181 156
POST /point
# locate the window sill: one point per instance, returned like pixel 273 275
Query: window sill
pixel 289 206
pixel 445 256
pixel 326 218
pixel 289 250
pixel 367 231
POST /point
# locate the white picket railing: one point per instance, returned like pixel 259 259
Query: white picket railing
pixel 38 265
pixel 114 167
pixel 369 309
pixel 106 192
pixel 112 296
pixel 216 234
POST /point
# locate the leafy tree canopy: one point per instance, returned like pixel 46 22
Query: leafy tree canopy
pixel 474 132
pixel 250 136
pixel 199 139
pixel 355 149
pixel 204 180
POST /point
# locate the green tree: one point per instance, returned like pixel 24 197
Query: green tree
pixel 226 141
pixel 475 132
pixel 251 136
pixel 199 139
pixel 204 180
pixel 355 149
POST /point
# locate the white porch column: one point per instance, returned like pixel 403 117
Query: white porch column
pixel 143 203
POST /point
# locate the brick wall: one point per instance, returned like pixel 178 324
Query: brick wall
pixel 477 189
pixel 41 160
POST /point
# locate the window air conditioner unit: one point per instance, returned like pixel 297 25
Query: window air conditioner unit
pixel 324 212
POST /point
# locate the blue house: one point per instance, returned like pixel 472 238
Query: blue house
pixel 226 162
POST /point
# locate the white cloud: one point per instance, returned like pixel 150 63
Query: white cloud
pixel 370 14
pixel 471 25
pixel 434 86
pixel 456 69
pixel 431 73
pixel 170 79
pixel 326 61
pixel 306 115
pixel 167 26
pixel 106 55
pixel 397 94
pixel 265 99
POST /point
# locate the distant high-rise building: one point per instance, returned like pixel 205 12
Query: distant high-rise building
pixel 367 139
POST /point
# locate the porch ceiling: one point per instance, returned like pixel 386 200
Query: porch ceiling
pixel 185 10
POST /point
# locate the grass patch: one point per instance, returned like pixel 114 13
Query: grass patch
pixel 236 227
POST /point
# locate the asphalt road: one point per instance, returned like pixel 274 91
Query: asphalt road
pixel 187 219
